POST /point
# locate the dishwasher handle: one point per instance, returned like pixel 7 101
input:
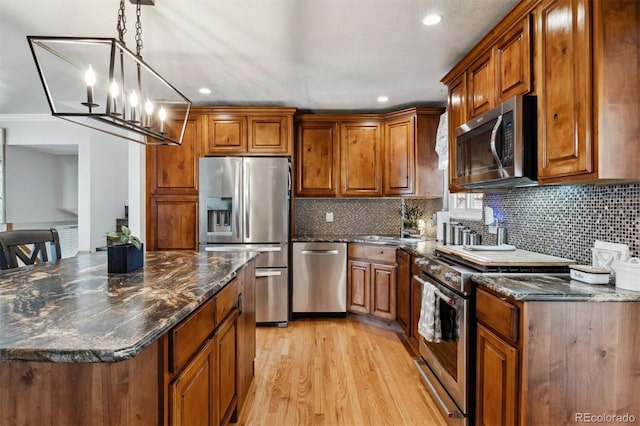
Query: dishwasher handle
pixel 319 252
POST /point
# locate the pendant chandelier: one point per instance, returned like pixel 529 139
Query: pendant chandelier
pixel 101 84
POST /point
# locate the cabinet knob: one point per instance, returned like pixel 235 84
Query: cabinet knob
pixel 555 117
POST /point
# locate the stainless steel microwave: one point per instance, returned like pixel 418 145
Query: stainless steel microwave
pixel 498 148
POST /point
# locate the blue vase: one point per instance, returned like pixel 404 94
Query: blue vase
pixel 124 258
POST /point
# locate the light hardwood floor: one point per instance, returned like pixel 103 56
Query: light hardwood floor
pixel 335 372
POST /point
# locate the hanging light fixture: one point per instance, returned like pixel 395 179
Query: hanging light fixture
pixel 101 84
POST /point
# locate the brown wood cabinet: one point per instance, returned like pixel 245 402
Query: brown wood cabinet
pixel 404 290
pixel 535 351
pixel 457 116
pixel 360 159
pixel 587 125
pixel 579 57
pixel 481 85
pixel 372 281
pixel 416 307
pixel 513 61
pixel 203 390
pixel 348 155
pixel 246 331
pixel 248 131
pixel 317 159
pixel 172 222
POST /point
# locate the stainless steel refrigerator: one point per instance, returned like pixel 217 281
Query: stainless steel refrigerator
pixel 244 205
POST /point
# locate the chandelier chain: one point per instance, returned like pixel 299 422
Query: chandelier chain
pixel 122 22
pixel 138 30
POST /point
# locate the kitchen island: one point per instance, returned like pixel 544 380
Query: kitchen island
pixel 81 346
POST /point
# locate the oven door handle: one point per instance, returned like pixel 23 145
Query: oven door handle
pixel 449 300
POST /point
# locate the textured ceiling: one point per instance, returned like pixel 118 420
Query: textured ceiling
pixel 311 54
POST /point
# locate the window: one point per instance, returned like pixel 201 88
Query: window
pixel 466 206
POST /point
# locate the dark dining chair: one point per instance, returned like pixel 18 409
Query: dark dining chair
pixel 28 246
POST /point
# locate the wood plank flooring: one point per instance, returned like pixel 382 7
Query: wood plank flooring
pixel 335 372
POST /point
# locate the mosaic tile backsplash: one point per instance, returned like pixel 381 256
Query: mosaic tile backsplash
pixel 566 220
pixel 358 216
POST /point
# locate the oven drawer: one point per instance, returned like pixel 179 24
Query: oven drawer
pixel 497 313
pixel 373 253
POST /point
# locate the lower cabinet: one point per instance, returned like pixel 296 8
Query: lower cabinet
pixel 208 368
pixel 497 380
pixel 404 291
pixel 192 393
pixel 416 306
pixel 372 281
pixel 551 362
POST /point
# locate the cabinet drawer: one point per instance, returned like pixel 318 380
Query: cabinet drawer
pixel 226 300
pixel 498 314
pixel 190 334
pixel 373 253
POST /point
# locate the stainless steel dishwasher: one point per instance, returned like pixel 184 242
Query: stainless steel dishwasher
pixel 319 279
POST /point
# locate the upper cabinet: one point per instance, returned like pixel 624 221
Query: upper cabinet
pixel 361 162
pixel 248 131
pixel 580 58
pixel 512 56
pixel 347 155
pixel 588 90
pixel 317 159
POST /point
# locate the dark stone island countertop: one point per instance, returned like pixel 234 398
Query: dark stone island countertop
pixel 74 311
pixel 553 288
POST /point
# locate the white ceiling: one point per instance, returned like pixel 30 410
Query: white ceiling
pixel 311 54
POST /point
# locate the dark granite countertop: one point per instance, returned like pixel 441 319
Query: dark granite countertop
pixel 553 288
pixel 420 247
pixel 73 311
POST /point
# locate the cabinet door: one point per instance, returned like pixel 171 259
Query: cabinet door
pixel 513 62
pixel 361 165
pixel 173 223
pixel 174 169
pixel 225 135
pixel 317 154
pixel 565 144
pixel 496 380
pixel 384 291
pixel 358 287
pixel 191 394
pixel 226 368
pixel 481 85
pixel 399 156
pixel 416 306
pixel 246 331
pixel 457 110
pixel 404 291
pixel 269 135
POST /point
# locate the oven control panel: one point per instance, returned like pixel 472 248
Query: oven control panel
pixel 457 277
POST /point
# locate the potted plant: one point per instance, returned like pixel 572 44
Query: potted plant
pixel 127 254
pixel 411 216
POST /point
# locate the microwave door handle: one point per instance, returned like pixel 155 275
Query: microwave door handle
pixel 494 134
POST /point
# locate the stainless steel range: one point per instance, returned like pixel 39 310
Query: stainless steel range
pixel 447 366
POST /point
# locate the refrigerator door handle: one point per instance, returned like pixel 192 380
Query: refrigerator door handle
pixel 236 197
pixel 268 273
pixel 247 198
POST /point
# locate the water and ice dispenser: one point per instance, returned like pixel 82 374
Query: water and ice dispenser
pixel 219 214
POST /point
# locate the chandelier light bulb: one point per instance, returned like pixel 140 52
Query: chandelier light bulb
pixel 162 114
pixel 90 77
pixel 114 89
pixel 133 103
pixel 148 107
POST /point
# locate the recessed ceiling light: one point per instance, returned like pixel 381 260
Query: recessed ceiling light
pixel 432 19
pixel 204 90
pixel 383 98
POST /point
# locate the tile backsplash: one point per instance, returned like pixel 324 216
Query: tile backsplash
pixel 566 220
pixel 359 216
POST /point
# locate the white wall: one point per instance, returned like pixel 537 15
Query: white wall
pixel 104 181
pixel 34 187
